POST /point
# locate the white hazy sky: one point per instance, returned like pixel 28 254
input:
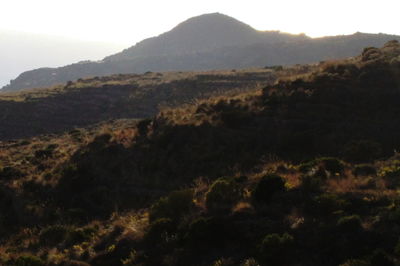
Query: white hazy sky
pixel 129 21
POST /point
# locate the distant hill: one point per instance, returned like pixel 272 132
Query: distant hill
pixel 22 51
pixel 210 41
pixel 202 34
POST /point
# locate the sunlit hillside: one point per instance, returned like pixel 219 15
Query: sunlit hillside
pixel 284 166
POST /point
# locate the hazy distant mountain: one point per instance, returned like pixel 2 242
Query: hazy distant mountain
pixel 202 34
pixel 211 41
pixel 24 51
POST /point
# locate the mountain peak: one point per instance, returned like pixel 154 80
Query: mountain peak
pixel 212 21
pixel 196 34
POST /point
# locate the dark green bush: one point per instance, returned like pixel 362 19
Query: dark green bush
pixel 391 176
pixel 250 262
pixel 46 153
pixel 143 126
pixel 356 262
pixel 330 164
pixel 326 204
pixel 222 195
pixel 349 224
pixel 397 248
pixel 364 170
pixel 28 260
pixel 160 230
pixel 53 235
pixel 310 184
pixel 80 235
pixel 307 166
pixel 275 249
pixel 268 186
pixel 10 172
pixel 381 258
pixel 206 232
pixel 275 68
pixel 76 215
pixel 177 204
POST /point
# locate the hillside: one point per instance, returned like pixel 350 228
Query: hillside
pixel 206 42
pixel 89 101
pixel 304 171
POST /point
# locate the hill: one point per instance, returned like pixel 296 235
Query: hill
pixel 89 101
pixel 23 51
pixel 202 34
pixel 210 41
pixel 301 172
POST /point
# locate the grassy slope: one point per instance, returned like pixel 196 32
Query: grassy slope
pixel 85 196
pixel 89 101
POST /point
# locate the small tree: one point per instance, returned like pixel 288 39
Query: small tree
pixel 267 187
pixel 222 195
pixel 174 206
pixel 274 249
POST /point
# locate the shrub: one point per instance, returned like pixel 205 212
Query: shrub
pixel 76 215
pixel 9 172
pixel 80 235
pixel 368 183
pixel 250 262
pixel 326 204
pixel 397 248
pixel 206 232
pixel 306 166
pixel 53 235
pixel 275 68
pixel 174 206
pixel 391 175
pixel 100 141
pixel 356 262
pixel 143 126
pixel 24 142
pixel 76 134
pixel 330 164
pixel 267 187
pixel 310 184
pixel 364 170
pixel 370 53
pixel 198 230
pixel 275 249
pixel 223 262
pixel 380 258
pixel 350 224
pixel 76 263
pixel 222 195
pixel 46 153
pixel 28 260
pixel 160 230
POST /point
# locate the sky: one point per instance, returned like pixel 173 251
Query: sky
pixel 126 22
